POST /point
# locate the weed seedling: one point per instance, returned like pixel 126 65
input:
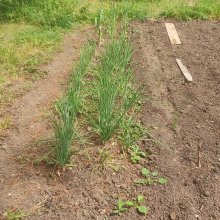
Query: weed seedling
pixel 136 31
pixel 17 215
pixel 176 117
pixel 115 168
pixel 142 209
pixel 124 168
pixel 121 157
pixel 150 178
pixel 136 153
pixel 104 156
pixel 120 208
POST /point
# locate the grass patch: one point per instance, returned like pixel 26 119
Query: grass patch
pixel 181 10
pixel 30 31
pixel 22 48
pixel 60 13
pixel 5 123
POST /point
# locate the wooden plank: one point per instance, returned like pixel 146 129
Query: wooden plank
pixel 172 33
pixel 184 71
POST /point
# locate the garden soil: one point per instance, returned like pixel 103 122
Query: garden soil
pixel 184 117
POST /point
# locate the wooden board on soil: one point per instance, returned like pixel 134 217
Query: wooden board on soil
pixel 184 71
pixel 172 33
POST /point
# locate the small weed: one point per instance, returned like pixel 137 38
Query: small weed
pixel 141 209
pixel 5 123
pixel 136 31
pixel 15 216
pixel 136 153
pixel 121 157
pixel 158 48
pixel 24 159
pixel 23 192
pixel 176 117
pixel 120 208
pixel 124 168
pixel 27 86
pixel 115 168
pixel 104 158
pixel 131 131
pixel 150 178
pixel 46 158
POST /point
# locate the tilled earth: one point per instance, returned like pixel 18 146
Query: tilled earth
pixel 84 192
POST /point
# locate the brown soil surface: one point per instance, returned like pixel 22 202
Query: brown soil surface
pixel 190 193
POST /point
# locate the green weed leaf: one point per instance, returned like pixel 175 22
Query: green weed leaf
pixel 37 160
pixel 115 168
pixel 154 174
pixel 138 181
pixel 162 181
pixel 142 209
pixel 137 158
pixel 145 171
pixel 129 203
pixel 120 203
pixel 140 198
pixel 143 154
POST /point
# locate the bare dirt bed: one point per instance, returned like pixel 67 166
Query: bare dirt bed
pixel 190 193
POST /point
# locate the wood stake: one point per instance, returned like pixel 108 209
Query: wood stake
pixel 172 33
pixel 184 71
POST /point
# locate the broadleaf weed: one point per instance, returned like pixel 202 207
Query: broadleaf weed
pixel 150 178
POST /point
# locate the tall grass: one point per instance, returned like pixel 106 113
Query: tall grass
pixel 180 9
pixel 60 13
pixel 22 48
pixel 203 9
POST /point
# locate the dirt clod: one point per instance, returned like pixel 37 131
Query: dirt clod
pixel 138 166
pixel 172 216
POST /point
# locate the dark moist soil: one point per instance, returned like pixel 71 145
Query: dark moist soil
pixel 84 192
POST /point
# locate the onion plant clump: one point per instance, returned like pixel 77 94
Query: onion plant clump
pixel 64 132
pixel 113 97
pixel 76 87
pixel 108 20
pixel 67 127
pixel 98 21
